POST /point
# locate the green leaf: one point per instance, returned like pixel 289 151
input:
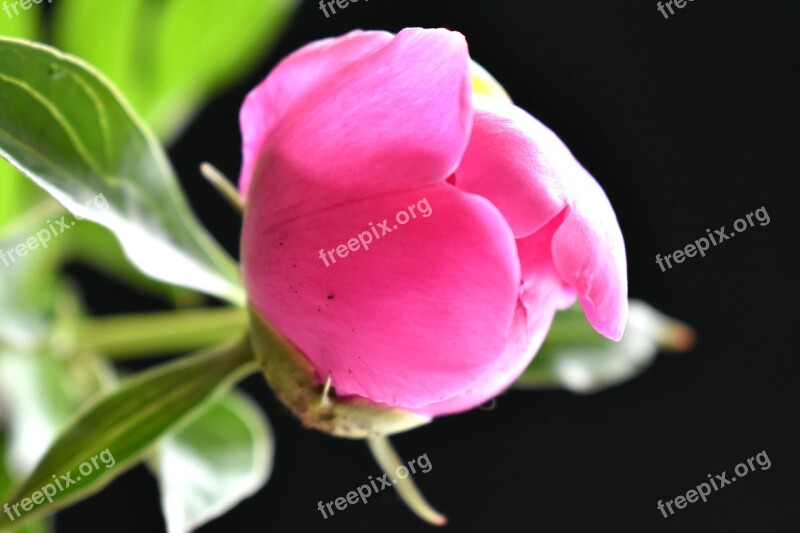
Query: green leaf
pixel 6 480
pixel 169 57
pixel 78 25
pixel 24 24
pixel 579 359
pixel 86 243
pixel 8 194
pixel 222 457
pixel 64 126
pixel 43 380
pixel 121 426
pixel 29 283
pixel 33 527
pixel 96 246
pixel 17 195
pixel 40 396
pixel 5 485
pixel 200 50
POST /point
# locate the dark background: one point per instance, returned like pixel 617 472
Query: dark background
pixel 688 123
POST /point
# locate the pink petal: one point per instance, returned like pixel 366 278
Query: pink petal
pixel 508 161
pixel 543 293
pixel 530 175
pixel 415 319
pixel 589 253
pixel 291 81
pixel 396 119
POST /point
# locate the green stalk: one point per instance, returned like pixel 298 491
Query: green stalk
pixel 387 458
pixel 153 334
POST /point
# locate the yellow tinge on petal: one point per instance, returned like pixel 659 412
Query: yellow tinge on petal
pixel 484 83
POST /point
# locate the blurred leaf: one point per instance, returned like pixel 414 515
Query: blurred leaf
pixel 40 397
pixel 33 527
pixel 209 466
pixel 28 284
pixel 200 50
pixel 8 194
pixel 126 422
pixel 168 57
pixel 5 476
pixel 17 195
pixel 5 485
pixel 579 359
pixel 79 25
pixel 43 380
pixel 96 246
pixel 69 131
pixel 25 24
pixel 87 243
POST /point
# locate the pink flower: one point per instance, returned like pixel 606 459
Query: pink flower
pixel 446 311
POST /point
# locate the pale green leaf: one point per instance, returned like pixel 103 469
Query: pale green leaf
pixel 64 126
pixel 113 433
pixel 169 57
pixel 222 457
pixel 40 396
pixel 577 358
pixel 5 485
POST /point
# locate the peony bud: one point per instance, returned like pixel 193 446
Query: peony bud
pixel 411 232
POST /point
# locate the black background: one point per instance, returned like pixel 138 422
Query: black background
pixel 688 123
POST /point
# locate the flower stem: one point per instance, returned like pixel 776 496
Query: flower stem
pixel 152 334
pixel 223 186
pixel 390 462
